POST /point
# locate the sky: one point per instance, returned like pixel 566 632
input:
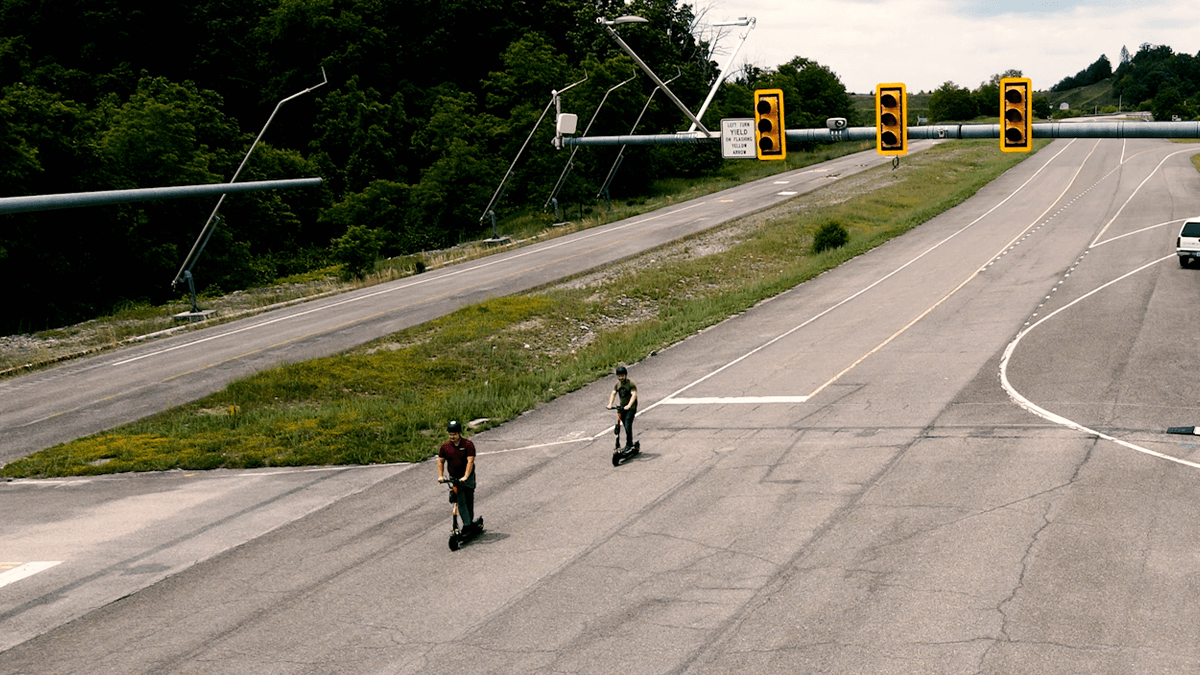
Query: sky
pixel 925 43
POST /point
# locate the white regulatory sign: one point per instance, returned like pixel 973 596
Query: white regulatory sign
pixel 737 139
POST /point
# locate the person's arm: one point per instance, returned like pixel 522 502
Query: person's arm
pixel 632 399
pixel 611 395
pixel 441 469
pixel 470 468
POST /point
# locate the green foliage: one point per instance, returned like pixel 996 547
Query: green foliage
pixel 1158 79
pixel 1042 109
pixel 951 102
pixel 1098 71
pixel 426 106
pixel 357 251
pixel 831 234
pixel 812 92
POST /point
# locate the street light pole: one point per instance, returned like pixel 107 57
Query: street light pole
pixel 554 100
pixel 608 25
pixel 205 233
pixel 741 21
pixel 621 153
pixel 552 199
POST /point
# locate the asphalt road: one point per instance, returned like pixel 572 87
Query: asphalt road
pixel 46 408
pixel 944 456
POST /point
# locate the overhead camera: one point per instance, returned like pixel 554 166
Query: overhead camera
pixel 837 123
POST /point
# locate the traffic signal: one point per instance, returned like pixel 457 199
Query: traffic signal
pixel 1016 131
pixel 769 133
pixel 891 119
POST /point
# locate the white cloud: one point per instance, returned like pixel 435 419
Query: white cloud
pixel 924 43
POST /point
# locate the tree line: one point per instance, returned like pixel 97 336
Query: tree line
pixel 1159 80
pixel 1155 79
pixel 428 101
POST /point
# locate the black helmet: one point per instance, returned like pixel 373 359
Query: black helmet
pixel 455 427
pixel 622 371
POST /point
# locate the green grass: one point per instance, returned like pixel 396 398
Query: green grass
pixel 388 401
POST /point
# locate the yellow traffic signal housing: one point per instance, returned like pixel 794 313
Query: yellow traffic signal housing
pixel 1016 130
pixel 891 119
pixel 769 136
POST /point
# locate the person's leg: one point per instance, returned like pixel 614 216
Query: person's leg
pixel 466 501
pixel 628 419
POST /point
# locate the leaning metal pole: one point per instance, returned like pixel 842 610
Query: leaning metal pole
pixel 567 169
pixel 188 262
pixel 500 188
pixel 642 64
pixel 724 73
pixel 621 153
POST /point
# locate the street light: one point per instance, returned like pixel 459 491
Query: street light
pixel 608 25
pixel 747 22
pixel 622 19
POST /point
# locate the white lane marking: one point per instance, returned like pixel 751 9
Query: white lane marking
pixel 1008 352
pixel 1130 234
pixel 26 570
pixel 1059 419
pixel 734 400
pixel 786 193
pixel 671 399
pixel 1003 249
pixel 865 289
pixel 405 286
pixel 1135 193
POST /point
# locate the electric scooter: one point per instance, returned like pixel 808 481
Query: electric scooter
pixel 469 530
pixel 620 455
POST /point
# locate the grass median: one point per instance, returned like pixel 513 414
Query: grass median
pixel 388 401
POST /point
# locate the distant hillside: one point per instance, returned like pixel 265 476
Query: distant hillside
pixel 1082 100
pixel 864 104
pixel 1090 99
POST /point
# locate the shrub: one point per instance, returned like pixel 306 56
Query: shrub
pixel 357 251
pixel 832 234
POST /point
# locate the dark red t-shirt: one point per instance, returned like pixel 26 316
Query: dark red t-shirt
pixel 456 457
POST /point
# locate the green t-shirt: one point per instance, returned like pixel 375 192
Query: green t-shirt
pixel 625 391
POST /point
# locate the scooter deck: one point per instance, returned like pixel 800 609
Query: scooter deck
pixel 619 456
pixel 457 539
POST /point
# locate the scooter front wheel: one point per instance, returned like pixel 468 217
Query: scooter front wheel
pixel 454 542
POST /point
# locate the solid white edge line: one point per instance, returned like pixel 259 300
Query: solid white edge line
pixel 730 400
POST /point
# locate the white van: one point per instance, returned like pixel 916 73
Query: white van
pixel 1187 245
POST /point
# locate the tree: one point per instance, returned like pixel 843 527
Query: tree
pixel 951 102
pixel 357 135
pixel 427 102
pixel 389 210
pixel 1100 70
pixel 1041 107
pixel 1169 104
pixel 357 251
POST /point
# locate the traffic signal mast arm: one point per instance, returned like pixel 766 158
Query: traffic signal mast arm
pixel 933 131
